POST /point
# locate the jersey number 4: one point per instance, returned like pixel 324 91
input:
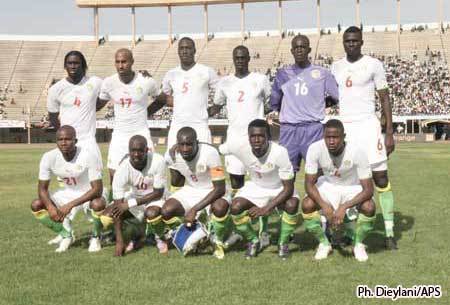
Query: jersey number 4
pixel 77 102
pixel 301 89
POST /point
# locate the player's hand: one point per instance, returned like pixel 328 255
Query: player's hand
pixel 145 73
pixel 120 248
pixel 257 212
pixel 172 152
pixel 389 143
pixel 119 208
pixel 272 117
pixel 65 209
pixel 190 217
pixel 55 214
pixel 339 215
pixel 328 212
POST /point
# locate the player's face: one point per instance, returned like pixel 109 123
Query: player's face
pixel 300 50
pixel 186 51
pixel 187 147
pixel 66 140
pixel 334 140
pixel 123 63
pixel 241 58
pixel 74 67
pixel 259 140
pixel 138 154
pixel 352 44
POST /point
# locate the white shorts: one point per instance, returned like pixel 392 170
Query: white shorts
pixel 91 144
pixel 62 197
pixel 202 130
pixel 234 166
pixel 230 148
pixel 189 196
pixel 336 195
pixel 139 211
pixel 258 195
pixel 369 138
pixel 118 148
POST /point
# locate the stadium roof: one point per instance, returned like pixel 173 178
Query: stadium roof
pixel 154 3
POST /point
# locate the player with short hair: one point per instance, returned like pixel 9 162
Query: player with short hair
pixel 338 181
pixel 138 189
pixel 74 100
pixel 77 168
pixel 300 94
pixel 197 169
pixel 189 85
pixel 360 77
pixel 130 93
pixel 271 186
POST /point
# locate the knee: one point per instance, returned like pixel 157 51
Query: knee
pixel 98 204
pixel 381 181
pixel 237 181
pixel 167 211
pixel 219 208
pixel 368 208
pixel 152 212
pixel 291 206
pixel 308 206
pixel 37 205
pixel 237 206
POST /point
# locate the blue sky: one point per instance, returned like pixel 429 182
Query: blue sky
pixel 63 17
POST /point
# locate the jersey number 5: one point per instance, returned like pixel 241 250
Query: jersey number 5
pixel 303 90
pixel 185 87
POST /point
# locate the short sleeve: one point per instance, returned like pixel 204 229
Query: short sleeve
pixel 213 78
pixel 276 94
pixel 154 89
pixel 219 95
pixel 166 87
pixel 53 104
pixel 379 76
pixel 362 165
pixel 267 88
pixel 312 161
pixel 45 172
pixel 331 86
pixel 120 183
pixel 215 166
pixel 285 169
pixel 160 177
pixel 94 170
pixel 104 91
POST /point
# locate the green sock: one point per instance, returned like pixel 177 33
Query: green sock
pixel 173 222
pixel 244 227
pixel 132 229
pixel 349 228
pixel 98 226
pixel 364 225
pixel 386 198
pixel 57 227
pixel 263 224
pixel 288 225
pixel 314 226
pixel 156 226
pixel 221 226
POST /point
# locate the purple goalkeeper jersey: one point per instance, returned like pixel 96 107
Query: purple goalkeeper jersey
pixel 299 94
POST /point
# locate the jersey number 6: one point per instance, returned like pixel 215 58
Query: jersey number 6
pixel 348 82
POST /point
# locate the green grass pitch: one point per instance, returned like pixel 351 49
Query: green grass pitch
pixel 31 273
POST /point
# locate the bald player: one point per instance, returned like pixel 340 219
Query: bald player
pixel 130 92
pixel 74 100
pixel 138 189
pixel 300 93
pixel 78 169
pixel 189 85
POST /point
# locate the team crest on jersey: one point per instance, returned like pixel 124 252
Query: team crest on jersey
pixel 347 163
pixel 200 168
pixel 90 87
pixel 315 74
pixel 269 165
pixel 139 90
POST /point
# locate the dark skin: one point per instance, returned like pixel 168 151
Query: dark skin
pixel 138 151
pixel 66 141
pixel 260 143
pixel 352 45
pixel 334 140
pixel 241 60
pixel 187 146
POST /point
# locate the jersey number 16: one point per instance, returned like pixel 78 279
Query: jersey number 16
pixel 301 89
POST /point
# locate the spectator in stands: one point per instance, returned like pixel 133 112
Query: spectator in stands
pixel 12 102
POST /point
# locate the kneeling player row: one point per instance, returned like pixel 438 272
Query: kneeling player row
pixel 140 193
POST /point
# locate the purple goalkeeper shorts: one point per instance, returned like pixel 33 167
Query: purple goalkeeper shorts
pixel 297 138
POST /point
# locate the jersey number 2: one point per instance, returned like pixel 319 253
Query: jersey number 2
pixel 241 96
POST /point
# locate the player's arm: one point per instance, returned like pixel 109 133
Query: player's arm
pixel 313 193
pixel 44 196
pixel 160 98
pixel 218 101
pixel 277 94
pixel 53 117
pixel 94 192
pixel 103 96
pixel 100 104
pixel 53 105
pixel 331 90
pixel 166 90
pixel 386 108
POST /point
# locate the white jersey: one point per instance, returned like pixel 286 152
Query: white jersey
pixel 205 168
pixel 244 99
pixel 268 171
pixel 190 90
pixel 130 101
pixel 357 83
pixel 346 169
pixel 140 183
pixel 76 173
pixel 76 104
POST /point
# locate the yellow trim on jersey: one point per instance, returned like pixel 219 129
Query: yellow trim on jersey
pixel 97 214
pixel 219 219
pixel 240 220
pixel 217 173
pixel 155 220
pixel 289 219
pixel 386 189
pixel 313 215
pixel 40 214
pixel 172 220
pixel 106 221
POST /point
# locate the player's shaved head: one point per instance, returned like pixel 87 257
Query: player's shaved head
pixel 187 40
pixel 301 37
pixel 137 149
pixel 353 42
pixel 126 52
pixel 66 139
pixel 186 52
pixel 187 132
pixel 78 54
pixel 138 140
pixel 259 137
pixel 241 48
pixel 353 29
pixel 187 143
pixel 334 123
pixel 66 130
pixel 259 123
